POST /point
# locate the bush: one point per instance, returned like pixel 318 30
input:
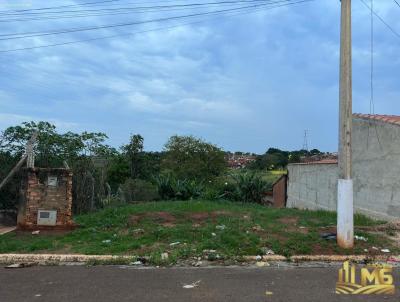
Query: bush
pixel 139 190
pixel 170 188
pixel 165 186
pixel 220 188
pixel 185 189
pixel 250 187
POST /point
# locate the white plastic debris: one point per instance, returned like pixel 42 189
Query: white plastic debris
pixel 362 238
pixel 220 227
pixel 137 263
pixel 267 251
pixel 138 231
pixel 375 248
pixel 106 241
pixel 385 250
pixel 192 285
pixel 36 232
pixel 258 258
pixel 268 293
pixel 19 265
pixel 365 250
pixel 209 251
pixel 174 243
pixel 164 256
pixel 213 234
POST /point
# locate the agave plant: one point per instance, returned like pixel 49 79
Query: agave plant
pixel 250 187
pixel 165 186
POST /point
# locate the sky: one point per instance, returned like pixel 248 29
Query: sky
pixel 243 81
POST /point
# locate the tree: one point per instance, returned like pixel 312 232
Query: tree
pixel 134 152
pixel 192 158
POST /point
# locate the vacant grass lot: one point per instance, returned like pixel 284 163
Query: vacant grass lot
pixel 186 229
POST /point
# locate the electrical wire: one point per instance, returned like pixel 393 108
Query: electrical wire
pixel 57 7
pixel 149 30
pixel 136 7
pixel 83 29
pixel 382 20
pixel 126 11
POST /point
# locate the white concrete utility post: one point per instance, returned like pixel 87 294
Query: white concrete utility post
pixel 345 223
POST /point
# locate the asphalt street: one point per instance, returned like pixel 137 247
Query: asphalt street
pixel 122 283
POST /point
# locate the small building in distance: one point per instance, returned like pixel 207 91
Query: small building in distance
pixel 376 171
pixel 239 160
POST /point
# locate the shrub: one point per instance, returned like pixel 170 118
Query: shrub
pixel 165 186
pixel 185 189
pixel 170 188
pixel 139 190
pixel 250 187
pixel 220 188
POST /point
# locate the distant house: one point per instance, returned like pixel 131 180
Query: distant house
pixel 239 161
pixel 376 171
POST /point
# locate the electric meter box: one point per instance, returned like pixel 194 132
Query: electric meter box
pixel 46 217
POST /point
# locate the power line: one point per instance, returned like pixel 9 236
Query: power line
pixel 73 30
pixel 149 30
pixel 398 4
pixel 134 10
pixel 58 7
pixel 382 20
pixel 135 7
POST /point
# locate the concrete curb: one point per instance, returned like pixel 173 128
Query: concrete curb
pixel 342 258
pixel 53 258
pixel 59 259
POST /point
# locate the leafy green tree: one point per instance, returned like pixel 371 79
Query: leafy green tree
pixel 52 148
pixel 134 152
pixel 118 171
pixel 188 157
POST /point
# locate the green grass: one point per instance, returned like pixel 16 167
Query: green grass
pixel 272 176
pixel 248 228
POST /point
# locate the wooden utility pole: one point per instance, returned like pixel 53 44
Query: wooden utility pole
pixel 345 223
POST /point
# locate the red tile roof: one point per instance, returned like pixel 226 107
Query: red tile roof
pixel 319 162
pixel 392 119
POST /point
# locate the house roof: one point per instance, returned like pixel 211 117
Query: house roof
pixel 327 161
pixel 392 119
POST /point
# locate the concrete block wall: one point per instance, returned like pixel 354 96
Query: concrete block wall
pixel 376 168
pixel 312 186
pixel 376 174
pixel 37 194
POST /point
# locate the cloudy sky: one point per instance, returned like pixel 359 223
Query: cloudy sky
pixel 244 80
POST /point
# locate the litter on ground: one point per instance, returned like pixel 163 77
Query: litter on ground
pixel 192 285
pixel 362 238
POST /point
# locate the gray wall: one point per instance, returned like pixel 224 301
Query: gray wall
pixel 376 174
pixel 312 186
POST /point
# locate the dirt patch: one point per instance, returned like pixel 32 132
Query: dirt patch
pixel 199 218
pixel 289 220
pixel 163 218
pixel 317 249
